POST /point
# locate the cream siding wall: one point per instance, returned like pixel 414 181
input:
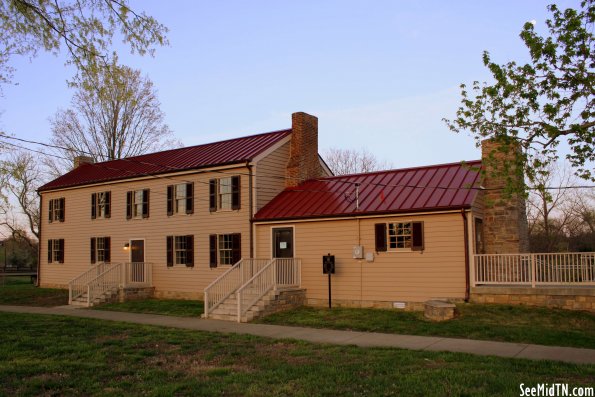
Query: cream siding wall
pixel 437 272
pixel 270 174
pixel 78 228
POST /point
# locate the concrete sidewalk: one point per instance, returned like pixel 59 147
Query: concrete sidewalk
pixel 362 339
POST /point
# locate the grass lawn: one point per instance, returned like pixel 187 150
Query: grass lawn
pixel 20 291
pixel 171 307
pixel 51 355
pixel 494 322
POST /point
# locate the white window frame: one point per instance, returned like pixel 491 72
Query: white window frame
pixel 182 251
pixel 224 198
pixel 394 237
pixel 56 209
pixel 180 198
pixel 137 203
pixel 228 250
pixel 101 204
pixel 55 250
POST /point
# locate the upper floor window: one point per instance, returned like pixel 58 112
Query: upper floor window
pixel 57 210
pixel 100 249
pixel 137 204
pixel 224 193
pixel 399 236
pixel 225 249
pixel 56 251
pixel 180 199
pixel 180 250
pixel 101 205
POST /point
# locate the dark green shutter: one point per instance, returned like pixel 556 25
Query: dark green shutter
pixel 380 230
pixel 93 249
pixel 62 209
pixel 190 251
pixel 236 252
pixel 170 251
pixel 190 198
pixel 170 200
pixel 61 250
pixel 213 250
pixel 129 204
pixel 108 204
pixel 417 231
pixel 93 205
pixel 235 192
pixel 213 195
pixel 50 246
pixel 107 248
pixel 51 214
pixel 145 203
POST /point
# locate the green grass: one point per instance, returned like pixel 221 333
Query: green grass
pixel 489 322
pixel 170 307
pixel 20 291
pixel 51 355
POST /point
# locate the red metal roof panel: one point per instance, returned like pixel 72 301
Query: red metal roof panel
pixel 193 157
pixel 443 186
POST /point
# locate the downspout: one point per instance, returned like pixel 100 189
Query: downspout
pixel 37 283
pixel 250 201
pixel 466 233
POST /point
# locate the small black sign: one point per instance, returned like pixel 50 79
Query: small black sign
pixel 328 264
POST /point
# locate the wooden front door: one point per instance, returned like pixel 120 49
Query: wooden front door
pixel 283 242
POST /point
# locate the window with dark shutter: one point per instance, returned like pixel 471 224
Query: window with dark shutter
pixel 213 250
pixel 107 249
pixel 170 250
pixel 380 231
pixel 190 198
pixel 235 193
pixel 145 203
pixel 93 205
pixel 62 209
pixel 50 250
pixel 93 249
pixel 190 251
pixel 417 236
pixel 236 253
pixel 61 251
pixel 129 204
pixel 213 195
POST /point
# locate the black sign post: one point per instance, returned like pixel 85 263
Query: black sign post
pixel 328 267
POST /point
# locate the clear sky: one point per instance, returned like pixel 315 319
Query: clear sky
pixel 379 75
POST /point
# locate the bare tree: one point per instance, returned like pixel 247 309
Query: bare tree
pixel 113 115
pixel 20 205
pixel 349 161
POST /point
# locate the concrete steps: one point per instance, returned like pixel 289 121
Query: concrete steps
pixel 228 309
pixel 82 300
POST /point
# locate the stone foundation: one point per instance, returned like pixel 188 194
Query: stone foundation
pixel 555 297
pixel 439 310
pixel 191 296
pixel 57 286
pixel 409 306
pixel 135 294
pixel 285 300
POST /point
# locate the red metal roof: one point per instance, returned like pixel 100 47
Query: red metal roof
pixel 430 188
pixel 231 151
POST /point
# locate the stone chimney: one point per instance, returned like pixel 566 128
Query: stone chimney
pixel 303 163
pixel 80 160
pixel 505 219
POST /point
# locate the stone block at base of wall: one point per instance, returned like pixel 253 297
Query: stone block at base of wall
pixel 369 304
pixel 285 300
pixel 190 296
pixel 135 294
pixel 554 297
pixel 439 310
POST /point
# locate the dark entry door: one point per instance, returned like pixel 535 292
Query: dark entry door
pixel 137 251
pixel 283 242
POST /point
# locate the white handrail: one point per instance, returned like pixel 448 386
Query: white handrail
pixel 106 282
pixel 281 272
pixel 78 285
pixel 228 283
pixel 567 268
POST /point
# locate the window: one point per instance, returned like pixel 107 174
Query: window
pixel 224 193
pixel 56 251
pixel 399 236
pixel 180 199
pixel 180 250
pixel 57 209
pixel 137 204
pixel 225 249
pixel 100 249
pixel 101 205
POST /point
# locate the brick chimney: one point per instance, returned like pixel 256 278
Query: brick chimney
pixel 505 218
pixel 303 163
pixel 80 160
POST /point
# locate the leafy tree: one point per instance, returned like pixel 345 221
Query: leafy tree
pixel 537 106
pixel 84 28
pixel 114 114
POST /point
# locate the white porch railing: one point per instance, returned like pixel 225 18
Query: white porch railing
pixel 230 281
pixel 78 286
pixel 137 274
pixel 569 268
pixel 107 282
pixel 281 272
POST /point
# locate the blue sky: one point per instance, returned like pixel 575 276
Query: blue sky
pixel 379 75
